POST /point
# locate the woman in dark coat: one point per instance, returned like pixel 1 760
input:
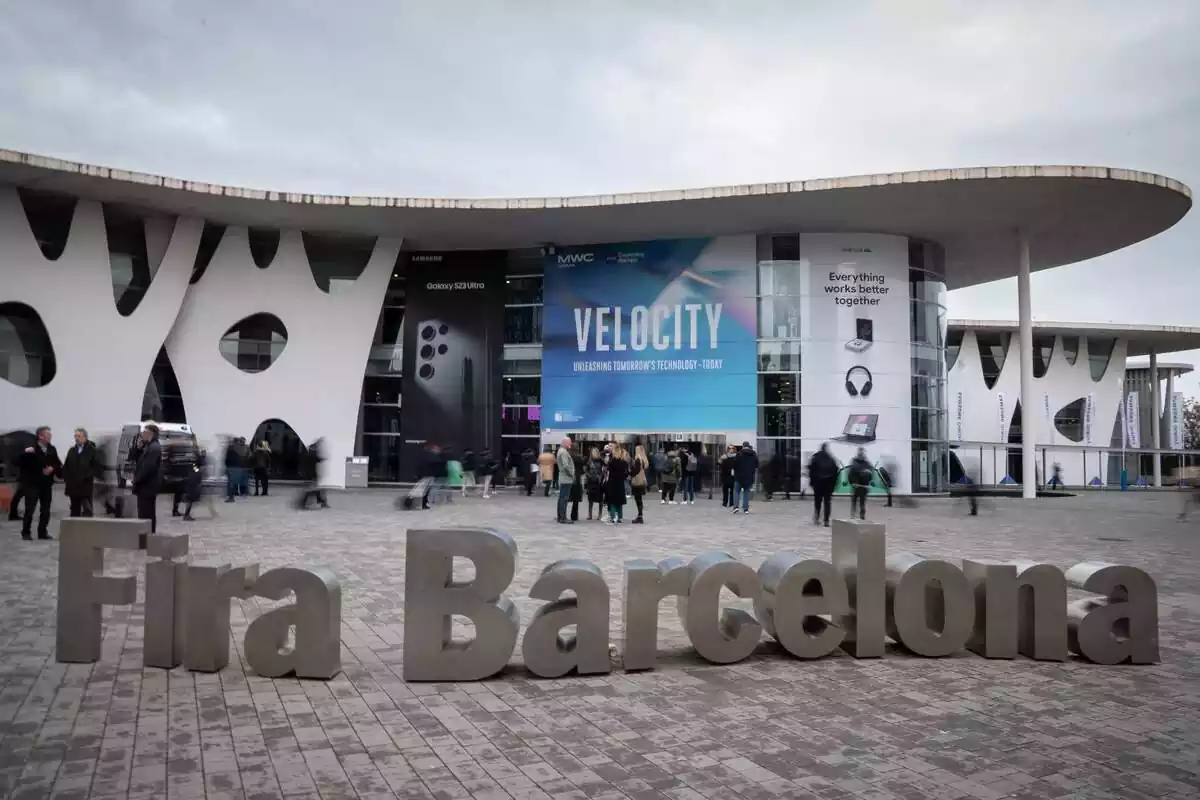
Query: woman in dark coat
pixel 593 483
pixel 577 487
pixel 616 471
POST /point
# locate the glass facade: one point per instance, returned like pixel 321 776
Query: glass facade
pixel 930 428
pixel 521 378
pixel 380 432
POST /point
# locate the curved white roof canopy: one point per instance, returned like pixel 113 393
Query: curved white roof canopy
pixel 1142 339
pixel 1071 213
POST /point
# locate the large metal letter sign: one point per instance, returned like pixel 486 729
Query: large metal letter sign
pixel 431 597
pixel 82 586
pixel 1122 625
pixel 859 551
pixel 930 621
pixel 1019 607
pixel 795 593
pixel 547 652
pixel 732 634
pixel 646 585
pixel 316 615
pixel 163 630
pixel 208 591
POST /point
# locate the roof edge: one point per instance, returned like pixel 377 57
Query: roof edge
pixel 591 201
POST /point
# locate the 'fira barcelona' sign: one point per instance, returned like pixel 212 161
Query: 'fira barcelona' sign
pixel 854 602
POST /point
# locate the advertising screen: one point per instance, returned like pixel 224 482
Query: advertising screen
pixel 650 336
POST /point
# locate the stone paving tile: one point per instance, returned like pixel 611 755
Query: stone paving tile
pixel 770 727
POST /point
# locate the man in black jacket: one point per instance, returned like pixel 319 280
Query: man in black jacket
pixel 147 476
pixel 38 466
pixel 314 490
pixel 80 471
pixel 822 478
pixel 745 467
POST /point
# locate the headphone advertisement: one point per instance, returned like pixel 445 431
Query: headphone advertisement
pixel 855 352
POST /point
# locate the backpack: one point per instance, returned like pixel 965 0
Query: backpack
pixel 691 464
pixel 860 474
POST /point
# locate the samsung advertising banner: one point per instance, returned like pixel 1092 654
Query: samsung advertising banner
pixel 453 351
pixel 856 388
pixel 650 336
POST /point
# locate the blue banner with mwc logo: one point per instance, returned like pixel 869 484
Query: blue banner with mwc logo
pixel 650 336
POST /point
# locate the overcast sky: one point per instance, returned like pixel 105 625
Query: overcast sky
pixel 554 97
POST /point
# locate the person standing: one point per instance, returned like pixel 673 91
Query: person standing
pixel 545 463
pixel 564 461
pixel 262 467
pixel 691 466
pixel 668 478
pixel 745 467
pixel 860 482
pixel 576 485
pixel 726 468
pixel 147 476
pixel 233 470
pixel 80 471
pixel 593 483
pixel 638 471
pixel 38 466
pixel 822 478
pixel 616 471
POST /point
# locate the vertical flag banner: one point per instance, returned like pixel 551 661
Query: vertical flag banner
pixel 1002 398
pixel 958 417
pixel 1176 421
pixel 1133 421
pixel 1049 417
pixel 1089 420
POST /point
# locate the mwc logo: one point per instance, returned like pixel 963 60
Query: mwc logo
pixel 571 259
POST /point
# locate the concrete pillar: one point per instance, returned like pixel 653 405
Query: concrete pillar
pixel 1025 341
pixel 1167 401
pixel 1156 420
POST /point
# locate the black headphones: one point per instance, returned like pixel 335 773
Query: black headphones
pixel 866 387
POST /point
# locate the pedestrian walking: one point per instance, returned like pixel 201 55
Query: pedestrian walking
pixel 860 481
pixel 822 479
pixel 313 491
pixel 81 468
pixel 38 466
pixel 147 476
pixel 487 472
pixel 470 466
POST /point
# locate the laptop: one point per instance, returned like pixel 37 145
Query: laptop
pixel 860 428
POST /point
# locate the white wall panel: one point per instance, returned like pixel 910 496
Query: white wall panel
pixel 1063 382
pixel 103 359
pixel 316 382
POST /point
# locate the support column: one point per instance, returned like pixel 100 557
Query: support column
pixel 1155 419
pixel 1025 341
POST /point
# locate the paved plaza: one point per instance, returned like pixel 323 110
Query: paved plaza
pixel 769 727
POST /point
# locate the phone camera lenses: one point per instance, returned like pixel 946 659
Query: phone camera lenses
pixel 425 371
pixel 442 349
pixel 428 332
pixel 427 351
pixel 443 329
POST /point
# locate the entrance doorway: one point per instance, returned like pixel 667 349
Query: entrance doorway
pixel 708 446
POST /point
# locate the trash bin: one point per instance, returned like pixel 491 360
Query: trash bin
pixel 356 472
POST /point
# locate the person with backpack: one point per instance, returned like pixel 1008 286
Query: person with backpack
pixel 860 481
pixel 669 477
pixel 639 480
pixel 822 479
pixel 690 463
